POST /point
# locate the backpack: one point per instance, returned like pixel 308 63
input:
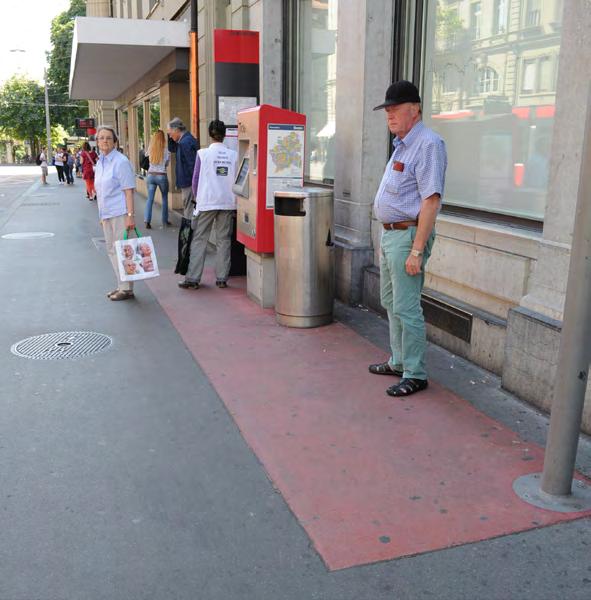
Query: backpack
pixel 38 159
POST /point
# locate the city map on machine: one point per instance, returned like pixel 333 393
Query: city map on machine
pixel 286 151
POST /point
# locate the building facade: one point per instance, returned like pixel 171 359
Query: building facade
pixel 503 81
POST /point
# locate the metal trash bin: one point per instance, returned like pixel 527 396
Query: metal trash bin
pixel 304 257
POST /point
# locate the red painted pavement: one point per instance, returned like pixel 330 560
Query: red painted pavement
pixel 369 477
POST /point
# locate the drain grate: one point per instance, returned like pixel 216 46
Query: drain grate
pixel 40 204
pixel 28 235
pixel 62 345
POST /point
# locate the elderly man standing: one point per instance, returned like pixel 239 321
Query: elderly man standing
pixel 184 145
pixel 407 203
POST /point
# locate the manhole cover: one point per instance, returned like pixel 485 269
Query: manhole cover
pixel 62 345
pixel 27 235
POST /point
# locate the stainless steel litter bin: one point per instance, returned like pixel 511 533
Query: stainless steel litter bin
pixel 304 257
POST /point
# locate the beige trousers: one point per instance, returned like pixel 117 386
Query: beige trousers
pixel 114 229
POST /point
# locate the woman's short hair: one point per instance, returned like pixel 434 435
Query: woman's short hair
pixel 176 123
pixel 108 128
pixel 217 130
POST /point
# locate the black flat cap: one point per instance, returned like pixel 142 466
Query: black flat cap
pixel 399 93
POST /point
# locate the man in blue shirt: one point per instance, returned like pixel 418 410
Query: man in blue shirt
pixel 407 204
pixel 184 145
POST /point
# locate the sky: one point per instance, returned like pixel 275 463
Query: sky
pixel 26 26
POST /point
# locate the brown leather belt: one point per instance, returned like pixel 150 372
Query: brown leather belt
pixel 400 225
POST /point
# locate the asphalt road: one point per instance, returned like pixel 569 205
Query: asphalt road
pixel 123 477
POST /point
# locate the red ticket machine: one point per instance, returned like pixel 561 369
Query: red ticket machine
pixel 270 157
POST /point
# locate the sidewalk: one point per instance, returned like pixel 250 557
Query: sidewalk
pixel 212 454
pixel 370 478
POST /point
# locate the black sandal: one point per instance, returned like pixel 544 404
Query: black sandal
pixel 384 369
pixel 407 386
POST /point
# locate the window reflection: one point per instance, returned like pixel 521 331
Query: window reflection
pixel 316 74
pixel 139 113
pixel 490 91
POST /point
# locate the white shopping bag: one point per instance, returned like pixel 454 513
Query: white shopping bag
pixel 136 258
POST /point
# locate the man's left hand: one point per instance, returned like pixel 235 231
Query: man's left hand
pixel 129 222
pixel 413 264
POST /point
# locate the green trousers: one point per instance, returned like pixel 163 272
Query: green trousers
pixel 400 295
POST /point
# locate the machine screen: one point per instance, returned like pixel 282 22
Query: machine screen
pixel 240 186
pixel 243 172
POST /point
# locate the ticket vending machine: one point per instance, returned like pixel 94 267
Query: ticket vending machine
pixel 270 157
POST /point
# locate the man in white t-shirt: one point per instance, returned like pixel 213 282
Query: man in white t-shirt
pixel 215 203
pixel 43 165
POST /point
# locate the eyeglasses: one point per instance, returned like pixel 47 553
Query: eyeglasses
pixel 105 139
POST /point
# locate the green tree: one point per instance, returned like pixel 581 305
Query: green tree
pixel 22 110
pixel 64 110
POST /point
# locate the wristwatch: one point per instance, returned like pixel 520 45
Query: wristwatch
pixel 416 253
pixel 130 214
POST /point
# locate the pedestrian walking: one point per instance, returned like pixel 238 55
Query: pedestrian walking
pixel 43 164
pixel 114 180
pixel 69 167
pixel 159 157
pixel 88 159
pixel 60 160
pixel 78 163
pixel 407 203
pixel 215 204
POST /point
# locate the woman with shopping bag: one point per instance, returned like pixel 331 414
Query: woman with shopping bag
pixel 114 182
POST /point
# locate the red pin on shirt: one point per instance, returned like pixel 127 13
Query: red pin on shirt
pixel 398 166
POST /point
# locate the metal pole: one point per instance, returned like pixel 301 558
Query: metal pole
pixel 194 70
pixel 47 125
pixel 575 342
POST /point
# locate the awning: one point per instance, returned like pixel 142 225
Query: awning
pixel 110 55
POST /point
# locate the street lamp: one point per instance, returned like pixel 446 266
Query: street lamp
pixel 47 125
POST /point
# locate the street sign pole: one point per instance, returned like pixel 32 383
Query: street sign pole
pixel 575 342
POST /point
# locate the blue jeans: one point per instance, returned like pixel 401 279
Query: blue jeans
pixel 154 181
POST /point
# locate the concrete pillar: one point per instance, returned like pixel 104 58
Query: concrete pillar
pixel 364 65
pixel 240 14
pixel 548 286
pixel 266 17
pixel 533 329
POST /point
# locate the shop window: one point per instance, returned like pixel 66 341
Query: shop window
pixel 497 123
pixel 312 80
pixel 140 128
pixel 154 114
